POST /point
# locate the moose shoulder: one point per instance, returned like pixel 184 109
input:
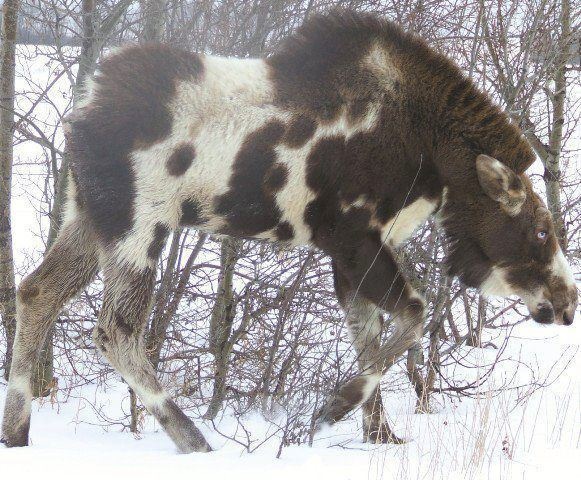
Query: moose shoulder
pixel 347 138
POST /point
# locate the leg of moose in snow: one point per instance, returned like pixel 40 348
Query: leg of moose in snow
pixel 119 334
pixel 364 323
pixel 370 271
pixel 67 268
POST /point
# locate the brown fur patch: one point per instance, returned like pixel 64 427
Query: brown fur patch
pixel 299 131
pixel 160 234
pixel 317 70
pixel 248 207
pixel 123 324
pixel 180 160
pixel 353 390
pixel 284 232
pixel 15 431
pixel 27 293
pixel 275 178
pixel 191 213
pixel 132 90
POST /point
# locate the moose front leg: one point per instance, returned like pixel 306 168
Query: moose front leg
pixel 370 279
pixel 363 319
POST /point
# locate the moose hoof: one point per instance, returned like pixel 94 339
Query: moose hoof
pixel 324 418
pixel 332 412
pixel 14 441
pixel 383 434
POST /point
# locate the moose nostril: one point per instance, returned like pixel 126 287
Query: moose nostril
pixel 568 318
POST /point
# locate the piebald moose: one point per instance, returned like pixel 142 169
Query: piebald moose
pixel 347 138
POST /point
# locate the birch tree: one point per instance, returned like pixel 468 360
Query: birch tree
pixel 7 89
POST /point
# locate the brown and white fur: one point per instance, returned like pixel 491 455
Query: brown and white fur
pixel 347 138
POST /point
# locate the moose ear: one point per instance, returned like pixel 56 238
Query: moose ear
pixel 500 183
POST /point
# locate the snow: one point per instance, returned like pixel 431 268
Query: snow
pixel 541 435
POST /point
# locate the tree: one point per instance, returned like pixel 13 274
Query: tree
pixel 7 124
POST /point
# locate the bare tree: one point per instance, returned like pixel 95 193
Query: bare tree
pixel 7 81
pixel 153 15
pixel 221 321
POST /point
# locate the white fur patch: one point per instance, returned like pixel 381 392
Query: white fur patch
pixel 496 285
pixel 561 268
pixel 151 399
pixel 294 197
pixel 87 93
pixel 71 211
pixel 216 115
pixel 372 380
pixel 405 222
pixel 379 62
pixel 20 383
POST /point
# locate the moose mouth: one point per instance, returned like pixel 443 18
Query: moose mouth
pixel 545 314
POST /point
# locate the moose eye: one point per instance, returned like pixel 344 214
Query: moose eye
pixel 542 235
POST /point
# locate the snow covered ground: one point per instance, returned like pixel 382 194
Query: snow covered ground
pixel 491 437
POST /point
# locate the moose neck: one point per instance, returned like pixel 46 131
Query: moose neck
pixel 471 124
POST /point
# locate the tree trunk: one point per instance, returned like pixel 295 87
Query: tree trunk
pixel 164 313
pixel 7 125
pixel 221 322
pixel 152 20
pixel 552 162
pixel 480 321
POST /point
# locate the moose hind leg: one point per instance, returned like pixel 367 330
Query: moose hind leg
pixel 68 267
pixel 119 335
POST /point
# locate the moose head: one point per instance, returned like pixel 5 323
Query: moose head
pixel 503 242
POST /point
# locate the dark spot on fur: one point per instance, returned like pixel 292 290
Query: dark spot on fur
pixel 357 109
pixel 324 177
pixel 125 327
pixel 353 391
pixel 27 293
pixel 248 207
pixel 544 314
pixel 414 309
pixel 348 397
pixel 102 339
pixel 129 112
pixel 102 335
pixel 191 212
pixel 180 160
pixel 160 413
pixel 284 231
pixel 160 234
pixel 275 178
pixel 299 131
